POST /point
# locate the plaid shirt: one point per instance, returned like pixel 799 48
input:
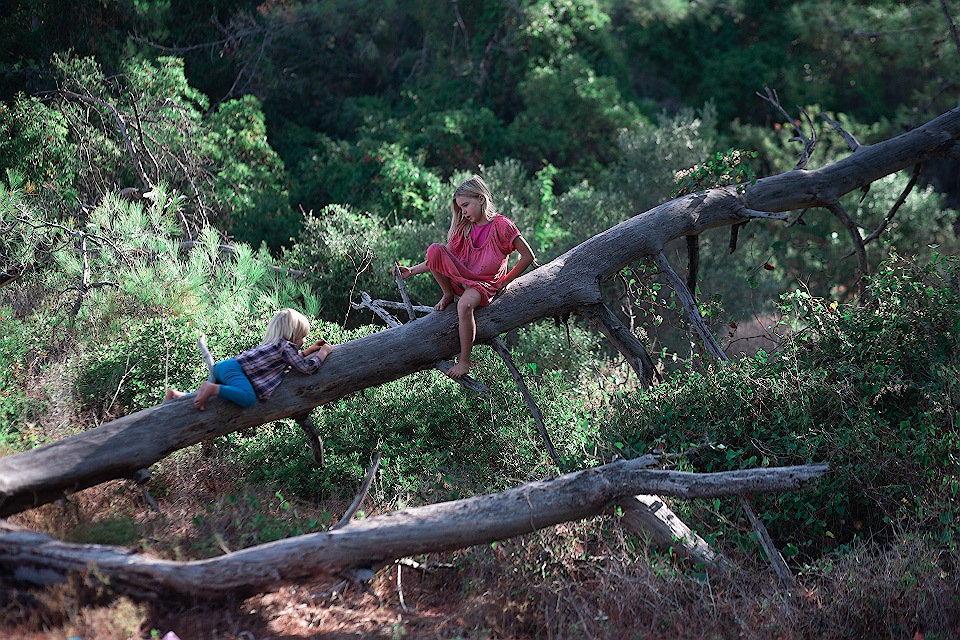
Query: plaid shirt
pixel 266 365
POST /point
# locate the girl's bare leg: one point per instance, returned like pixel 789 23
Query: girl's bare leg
pixel 469 301
pixel 206 391
pixel 447 289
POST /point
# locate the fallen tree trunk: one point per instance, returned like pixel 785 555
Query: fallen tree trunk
pixel 365 545
pixel 570 283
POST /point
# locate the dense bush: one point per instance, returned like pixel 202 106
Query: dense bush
pixel 869 389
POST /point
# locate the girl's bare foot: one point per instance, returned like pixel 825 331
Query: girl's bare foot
pixel 459 370
pixel 206 391
pixel 173 394
pixel 444 301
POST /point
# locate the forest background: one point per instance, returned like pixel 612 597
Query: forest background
pixel 179 168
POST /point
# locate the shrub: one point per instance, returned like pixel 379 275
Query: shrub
pixel 869 389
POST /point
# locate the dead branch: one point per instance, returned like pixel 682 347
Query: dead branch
pixel 846 135
pixel 504 354
pixel 951 25
pixel 690 308
pixel 121 125
pixel 442 365
pixel 809 144
pixel 313 437
pixel 366 545
pixel 773 554
pixel 358 500
pixel 863 266
pixel 403 293
pixel 622 339
pixel 893 210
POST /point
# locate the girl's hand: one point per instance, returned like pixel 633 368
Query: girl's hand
pixel 325 350
pixel 316 346
pixel 405 272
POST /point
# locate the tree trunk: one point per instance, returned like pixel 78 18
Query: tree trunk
pixel 567 284
pixel 365 545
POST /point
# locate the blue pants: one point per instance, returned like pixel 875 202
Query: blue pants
pixel 234 385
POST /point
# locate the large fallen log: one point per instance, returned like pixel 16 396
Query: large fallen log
pixel 363 546
pixel 567 284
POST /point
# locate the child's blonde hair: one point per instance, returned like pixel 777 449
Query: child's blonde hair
pixel 287 324
pixel 475 187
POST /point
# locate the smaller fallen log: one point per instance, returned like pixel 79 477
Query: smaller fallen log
pixel 365 545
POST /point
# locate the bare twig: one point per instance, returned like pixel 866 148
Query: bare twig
pixel 466 39
pixel 207 358
pixel 504 354
pixel 364 488
pixel 893 210
pixel 950 23
pixel 809 144
pixel 862 265
pixel 690 306
pixel 846 135
pixel 403 292
pixel 773 555
pixel 141 477
pixel 120 124
pixel 377 307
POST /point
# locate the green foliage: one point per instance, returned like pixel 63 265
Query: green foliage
pixel 251 176
pixel 643 176
pixel 557 99
pixel 119 531
pixel 34 143
pixel 726 168
pixel 871 390
pixel 14 348
pixel 249 520
pixel 379 177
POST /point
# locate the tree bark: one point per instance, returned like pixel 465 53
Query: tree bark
pixel 570 282
pixel 365 545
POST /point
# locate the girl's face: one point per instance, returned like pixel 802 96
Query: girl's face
pixel 471 209
pixel 298 342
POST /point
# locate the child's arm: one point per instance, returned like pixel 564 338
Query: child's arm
pixel 406 272
pixel 526 259
pixel 321 346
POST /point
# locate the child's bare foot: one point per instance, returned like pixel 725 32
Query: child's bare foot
pixel 459 370
pixel 444 301
pixel 206 391
pixel 173 394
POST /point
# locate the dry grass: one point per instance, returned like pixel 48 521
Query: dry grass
pixel 578 580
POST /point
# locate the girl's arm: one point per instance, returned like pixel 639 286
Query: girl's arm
pixel 406 272
pixel 301 361
pixel 526 259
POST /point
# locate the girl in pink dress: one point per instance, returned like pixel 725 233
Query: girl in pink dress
pixel 473 263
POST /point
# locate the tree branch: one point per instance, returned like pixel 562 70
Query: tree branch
pixel 863 266
pixel 368 544
pixel 690 307
pixel 504 354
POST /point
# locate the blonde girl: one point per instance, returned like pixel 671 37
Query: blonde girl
pixel 473 263
pixel 256 373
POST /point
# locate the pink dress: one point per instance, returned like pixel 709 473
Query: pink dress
pixel 480 267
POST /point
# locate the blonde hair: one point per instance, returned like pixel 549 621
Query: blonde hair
pixel 287 324
pixel 475 187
